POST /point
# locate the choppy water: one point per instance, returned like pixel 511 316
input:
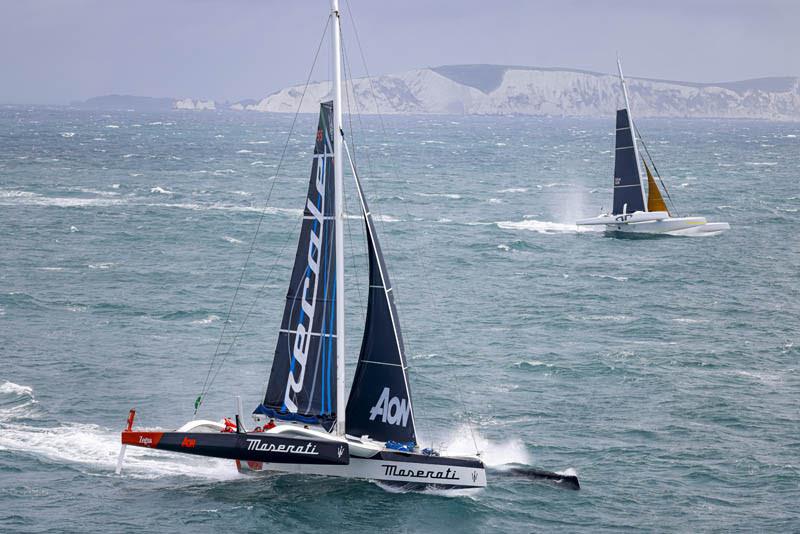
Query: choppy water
pixel 663 371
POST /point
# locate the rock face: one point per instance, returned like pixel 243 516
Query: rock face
pixel 197 105
pixel 503 90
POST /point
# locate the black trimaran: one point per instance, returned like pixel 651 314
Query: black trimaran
pixel 309 429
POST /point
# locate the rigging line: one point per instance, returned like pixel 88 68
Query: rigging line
pixel 408 215
pixel 348 225
pixel 256 298
pixel 653 163
pixel 206 384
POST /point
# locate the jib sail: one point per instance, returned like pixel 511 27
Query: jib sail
pixel 655 202
pixel 380 400
pixel 628 194
pixel 302 382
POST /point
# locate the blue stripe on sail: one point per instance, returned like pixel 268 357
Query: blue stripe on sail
pixel 325 355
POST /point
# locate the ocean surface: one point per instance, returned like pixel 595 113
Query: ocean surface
pixel 663 371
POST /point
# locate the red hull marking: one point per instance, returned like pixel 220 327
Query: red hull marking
pixel 142 439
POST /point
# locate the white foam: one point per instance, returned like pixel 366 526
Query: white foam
pixel 112 126
pixel 208 320
pixel 610 277
pixel 93 446
pixel 493 453
pixel 101 266
pixel 233 240
pixel 513 190
pixel 67 134
pixel 15 389
pixel 454 196
pixel 543 227
pixel 244 151
pixel 160 190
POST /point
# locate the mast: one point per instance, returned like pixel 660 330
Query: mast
pixel 339 200
pixel 633 130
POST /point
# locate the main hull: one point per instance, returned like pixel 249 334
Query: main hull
pixel 676 226
pixel 413 471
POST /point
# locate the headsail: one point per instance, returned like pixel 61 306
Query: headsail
pixel 302 383
pixel 628 193
pixel 655 202
pixel 380 399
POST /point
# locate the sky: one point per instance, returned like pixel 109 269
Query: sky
pixel 58 51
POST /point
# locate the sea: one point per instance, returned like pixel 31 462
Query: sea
pixel 664 372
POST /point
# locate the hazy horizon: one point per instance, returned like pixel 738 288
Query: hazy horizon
pixel 54 52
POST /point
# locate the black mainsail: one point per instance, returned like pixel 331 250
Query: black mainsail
pixel 380 400
pixel 628 193
pixel 302 382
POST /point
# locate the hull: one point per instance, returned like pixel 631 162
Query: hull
pixel 253 447
pixel 406 470
pixel 677 226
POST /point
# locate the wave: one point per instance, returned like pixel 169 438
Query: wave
pixel 232 240
pixel 91 446
pixel 610 277
pixel 543 227
pixel 532 363
pixel 454 196
pixel 513 190
pixel 208 320
pixel 160 190
pixel 101 266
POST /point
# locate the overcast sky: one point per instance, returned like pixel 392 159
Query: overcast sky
pixel 56 51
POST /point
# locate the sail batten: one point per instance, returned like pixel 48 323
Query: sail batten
pixel 301 383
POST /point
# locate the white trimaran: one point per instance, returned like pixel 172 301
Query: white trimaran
pixel 631 212
pixel 307 427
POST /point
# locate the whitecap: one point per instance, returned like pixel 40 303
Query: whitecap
pixel 454 196
pixel 232 240
pixel 67 134
pixel 101 266
pixel 208 320
pixel 112 126
pixel 513 190
pixel 244 151
pixel 160 190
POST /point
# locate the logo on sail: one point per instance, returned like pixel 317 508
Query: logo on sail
pixel 308 303
pixel 391 410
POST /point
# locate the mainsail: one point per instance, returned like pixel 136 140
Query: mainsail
pixel 302 382
pixel 655 202
pixel 628 194
pixel 380 400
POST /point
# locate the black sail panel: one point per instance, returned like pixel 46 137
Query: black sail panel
pixel 380 399
pixel 302 382
pixel 628 194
